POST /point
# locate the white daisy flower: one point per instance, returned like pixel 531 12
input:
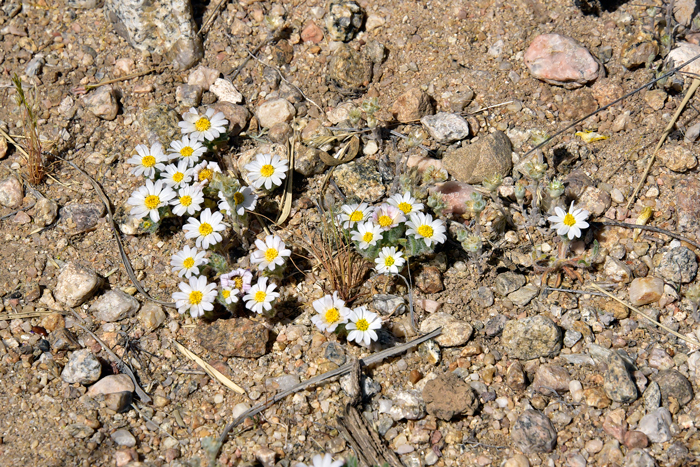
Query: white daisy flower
pixel 203 127
pixel 423 226
pixel 204 171
pixel 189 200
pixel 244 199
pixel 239 279
pixel 147 199
pixel 389 260
pixel 331 312
pixel 206 229
pixel 178 175
pixel 230 294
pixel 270 253
pixel 322 461
pixel 569 223
pixel 260 296
pixel 187 149
pixel 362 325
pixel 267 170
pixel 186 261
pixel 351 214
pixel 406 203
pixel 197 296
pixel 148 160
pixel 368 233
pixel 388 216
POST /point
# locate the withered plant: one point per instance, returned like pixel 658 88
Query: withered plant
pixel 35 163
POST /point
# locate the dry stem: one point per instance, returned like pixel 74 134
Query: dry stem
pixel 35 164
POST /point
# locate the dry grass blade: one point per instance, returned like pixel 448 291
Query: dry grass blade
pixel 211 371
pixel 287 197
pixel 35 164
pixel 33 314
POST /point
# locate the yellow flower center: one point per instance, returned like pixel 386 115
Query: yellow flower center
pixel 270 255
pixel 267 170
pixel 238 197
pixel 356 216
pixel 186 151
pixel 569 220
pixel 226 293
pixel 148 161
pixel 389 261
pixel 367 237
pixel 205 229
pixel 188 263
pixel 259 296
pixel 385 221
pixel 405 207
pixel 178 176
pixel 362 324
pixel 152 201
pixel 332 315
pixel 203 124
pixel 185 200
pixel 196 297
pixel 205 174
pixel 426 231
pixel 239 282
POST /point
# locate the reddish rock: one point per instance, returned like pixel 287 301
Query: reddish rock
pixel 411 106
pixel 455 194
pixel 635 439
pixel 560 60
pixel 236 337
pixel 688 192
pixel 615 424
pixel 550 377
pixel 311 33
pixel 429 280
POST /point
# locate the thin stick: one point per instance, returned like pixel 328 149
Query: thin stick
pixel 664 135
pixel 90 87
pixel 211 371
pixel 665 328
pixel 488 108
pixel 582 292
pixel 212 16
pixel 9 138
pixel 651 228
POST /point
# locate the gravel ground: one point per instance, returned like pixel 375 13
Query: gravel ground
pixel 521 376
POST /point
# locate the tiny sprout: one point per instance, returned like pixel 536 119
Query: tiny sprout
pixel 476 204
pixel 493 182
pixel 470 242
pixel 436 201
pixel 434 175
pixel 371 105
pixel 538 137
pixel 354 116
pixel 274 22
pixel 372 121
pixel 520 192
pixel 535 170
pixel 556 189
pixel 415 138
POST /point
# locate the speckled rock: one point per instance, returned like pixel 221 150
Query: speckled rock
pixel 508 282
pixel 11 193
pixel 677 158
pixel 360 178
pixel 673 383
pixel 407 405
pixel 160 124
pixel 102 102
pixel 151 316
pixel 475 162
pixel 616 270
pixel 595 201
pixel 550 377
pixel 533 432
pixel 116 390
pixel 638 458
pixel 560 60
pixel 274 111
pixel 687 206
pixel 236 337
pixel 617 381
pixel 225 91
pixel 63 339
pixel 82 217
pixel 454 332
pixel 429 280
pixel 308 161
pixel 343 20
pixel 446 127
pixel 114 305
pixel 164 27
pixel 349 69
pixel 645 290
pixel 639 50
pixel 656 425
pixel 76 283
pixel 530 338
pixel 238 116
pixel 335 353
pixel 448 395
pixel 678 265
pixel 188 95
pixel 411 106
pixel 652 396
pixel 524 295
pixel 82 367
pixel 515 377
pixel 45 211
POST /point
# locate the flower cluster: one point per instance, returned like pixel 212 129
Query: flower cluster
pixel 390 232
pixel 332 312
pixel 183 182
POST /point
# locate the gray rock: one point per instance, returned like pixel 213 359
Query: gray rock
pixel 282 383
pixel 151 316
pixel 656 425
pixel 407 405
pixel 122 437
pixel 35 65
pixel 412 105
pixel 683 11
pixel 335 353
pixel 448 395
pixel 673 383
pixel 360 178
pixel 160 124
pixel 349 69
pixel 308 161
pixel 638 458
pixel 274 111
pixel 188 95
pixel 494 326
pixel 79 430
pixel 82 217
pixel 571 337
pixel 530 338
pixel 389 304
pixel 163 27
pixel 617 381
pixel 693 132
pixel 533 432
pixel 11 193
pixel 508 282
pixel 560 60
pixel 678 265
pixel 45 211
pixel 376 51
pixel 116 390
pixel 476 161
pixel 370 387
pixel 343 20
pixel 523 296
pixel 238 116
pixel 484 296
pixel 652 396
pixel 63 339
pixel 76 283
pixel 454 332
pixel 616 270
pixel 82 367
pixel 446 127
pixel 102 103
pixel 114 305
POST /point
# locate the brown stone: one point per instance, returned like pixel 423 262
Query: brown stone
pixel 411 106
pixel 415 376
pixel 429 280
pixel 635 439
pixel 551 377
pixel 449 395
pixel 236 337
pixel 311 33
pixel 474 162
pixel 595 397
pixel 515 377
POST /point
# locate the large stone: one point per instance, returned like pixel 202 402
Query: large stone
pixel 474 162
pixel 82 217
pixel 617 381
pixel 82 367
pixel 638 457
pixel 446 127
pixel 551 377
pixel 117 391
pixel 76 283
pixel 407 405
pixel 509 282
pixel 236 337
pixel 274 111
pixel 102 103
pixel 45 211
pixel 448 395
pixel 454 332
pixel 151 316
pixel 677 158
pixel 411 106
pixel 645 290
pixel 163 27
pixel 160 124
pixel 349 69
pixel 11 193
pixel 114 305
pixel 595 201
pixel 344 19
pixel 639 50
pixel 672 383
pixel 123 437
pixel 533 432
pixel 560 60
pixel 360 178
pixel 656 425
pixel 530 338
pixel 687 206
pixel 523 296
pixel 678 265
